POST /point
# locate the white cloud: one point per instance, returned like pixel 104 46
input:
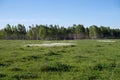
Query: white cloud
pixel 29 20
pixel 17 20
pixel 51 20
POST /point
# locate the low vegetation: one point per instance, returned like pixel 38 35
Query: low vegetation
pixel 87 60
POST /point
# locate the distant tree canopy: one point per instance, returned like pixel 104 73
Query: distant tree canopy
pixel 56 32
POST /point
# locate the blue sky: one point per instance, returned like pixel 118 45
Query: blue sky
pixel 61 12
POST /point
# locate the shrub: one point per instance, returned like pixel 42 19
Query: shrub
pixel 4 64
pixel 51 53
pixel 107 66
pixel 2 75
pixel 32 57
pixel 25 76
pixel 16 69
pixel 98 67
pixel 55 67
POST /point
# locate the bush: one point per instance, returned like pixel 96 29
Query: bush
pixel 16 69
pixel 107 66
pixel 55 67
pixel 4 64
pixel 25 76
pixel 32 57
pixel 2 75
pixel 51 53
pixel 98 67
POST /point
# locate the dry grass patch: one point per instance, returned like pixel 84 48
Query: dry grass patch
pixel 106 41
pixel 52 44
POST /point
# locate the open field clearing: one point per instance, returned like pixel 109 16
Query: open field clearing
pixel 79 60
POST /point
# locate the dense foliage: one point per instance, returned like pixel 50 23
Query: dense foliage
pixel 56 32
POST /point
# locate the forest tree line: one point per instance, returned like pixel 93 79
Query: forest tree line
pixel 56 32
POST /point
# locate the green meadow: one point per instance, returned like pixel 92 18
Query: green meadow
pixel 87 60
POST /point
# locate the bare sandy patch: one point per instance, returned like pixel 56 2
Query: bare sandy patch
pixel 64 41
pixel 52 44
pixel 106 41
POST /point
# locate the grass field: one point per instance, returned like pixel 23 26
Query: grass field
pixel 88 60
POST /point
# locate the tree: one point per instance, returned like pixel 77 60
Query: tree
pixel 8 31
pixel 80 31
pixel 94 32
pixel 33 32
pixel 2 34
pixel 86 33
pixel 15 32
pixel 21 30
pixel 105 32
pixel 43 32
